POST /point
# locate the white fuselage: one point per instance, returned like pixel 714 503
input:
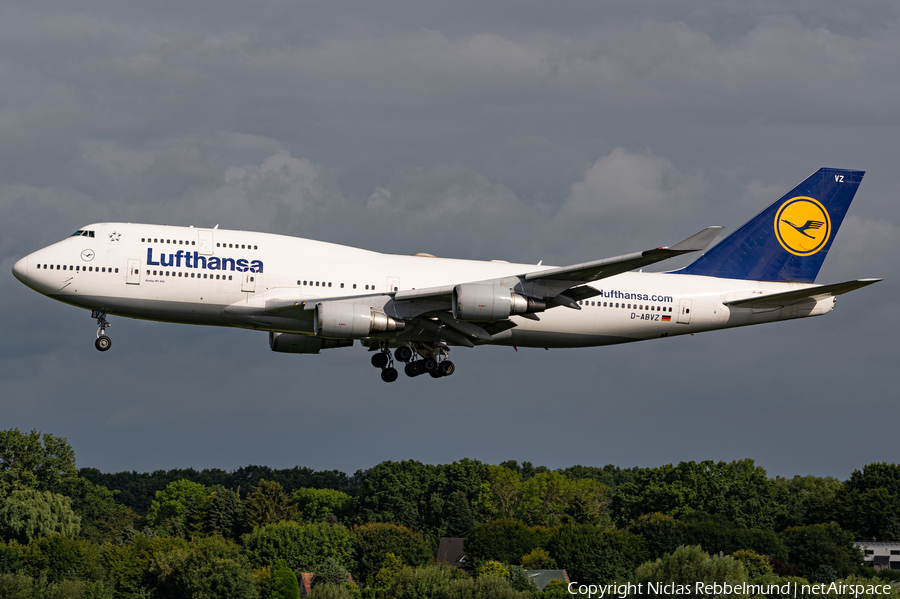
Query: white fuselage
pixel 225 278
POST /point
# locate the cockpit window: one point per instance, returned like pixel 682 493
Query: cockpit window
pixel 82 234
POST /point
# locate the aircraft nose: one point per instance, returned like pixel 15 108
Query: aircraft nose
pixel 20 270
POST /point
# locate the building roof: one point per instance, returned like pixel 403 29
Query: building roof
pixel 452 551
pixel 543 577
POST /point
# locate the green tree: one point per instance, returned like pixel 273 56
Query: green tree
pixel 177 508
pixel 505 541
pixel 538 559
pixel 660 532
pixel 880 475
pixel 102 518
pixel 427 582
pixel 128 564
pixel 804 499
pixel 738 491
pixel 330 571
pixel 373 542
pixel 210 567
pixel 61 558
pixel 322 505
pixel 396 492
pixel 10 560
pixel 593 554
pixel 27 514
pixel 302 546
pixel 755 564
pixel 223 513
pixel 811 546
pixel 267 504
pixel 688 566
pixel 868 513
pixel 30 460
pixel 284 582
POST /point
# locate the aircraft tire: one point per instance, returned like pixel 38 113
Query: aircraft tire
pixel 429 364
pixel 103 343
pixel 379 360
pixel 403 354
pixel 415 368
pixel 447 368
pixel 389 375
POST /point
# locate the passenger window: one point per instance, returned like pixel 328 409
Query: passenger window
pixel 148 272
pixel 354 285
pixel 251 279
pixel 117 270
pixel 192 275
pixel 395 289
pixel 342 285
pixel 317 283
pixel 329 283
pixel 254 247
pixel 367 287
pixel 229 277
pixel 193 243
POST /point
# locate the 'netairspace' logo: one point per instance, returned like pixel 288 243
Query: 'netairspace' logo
pixel 802 226
pixel 195 260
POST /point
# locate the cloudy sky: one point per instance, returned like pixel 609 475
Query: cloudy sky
pixel 517 130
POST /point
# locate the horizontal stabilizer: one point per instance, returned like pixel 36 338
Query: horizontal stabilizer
pixel 779 300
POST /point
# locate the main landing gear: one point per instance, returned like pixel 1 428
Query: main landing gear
pixel 103 342
pixel 435 362
pixel 384 361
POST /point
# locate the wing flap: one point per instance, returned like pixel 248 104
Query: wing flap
pixel 779 300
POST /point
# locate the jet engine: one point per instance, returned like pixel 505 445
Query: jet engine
pixel 345 320
pixel 491 302
pixel 292 343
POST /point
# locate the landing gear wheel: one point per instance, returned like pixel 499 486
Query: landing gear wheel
pixel 414 368
pixel 103 343
pixel 403 354
pixel 389 375
pixel 447 368
pixel 429 364
pixel 379 360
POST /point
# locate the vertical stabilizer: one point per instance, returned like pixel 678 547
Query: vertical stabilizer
pixel 788 241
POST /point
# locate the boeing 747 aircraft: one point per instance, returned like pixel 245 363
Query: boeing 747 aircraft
pixel 311 295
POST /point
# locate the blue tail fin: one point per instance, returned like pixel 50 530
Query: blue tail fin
pixel 788 241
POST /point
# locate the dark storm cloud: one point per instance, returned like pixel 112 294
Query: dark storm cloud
pixel 507 130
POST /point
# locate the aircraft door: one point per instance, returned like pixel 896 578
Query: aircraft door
pixel 393 284
pixel 684 311
pixel 248 282
pixel 134 272
pixel 205 242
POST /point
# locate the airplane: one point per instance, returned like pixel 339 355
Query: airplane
pixel 312 295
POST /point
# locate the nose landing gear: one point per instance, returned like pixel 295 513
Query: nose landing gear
pixel 103 342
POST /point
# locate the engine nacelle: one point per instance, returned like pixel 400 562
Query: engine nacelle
pixel 491 302
pixel 345 320
pixel 292 343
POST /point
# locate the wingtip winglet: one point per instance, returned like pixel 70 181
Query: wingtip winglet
pixel 697 241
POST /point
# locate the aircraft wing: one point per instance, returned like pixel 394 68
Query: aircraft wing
pixel 787 298
pixel 560 279
pixel 608 267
